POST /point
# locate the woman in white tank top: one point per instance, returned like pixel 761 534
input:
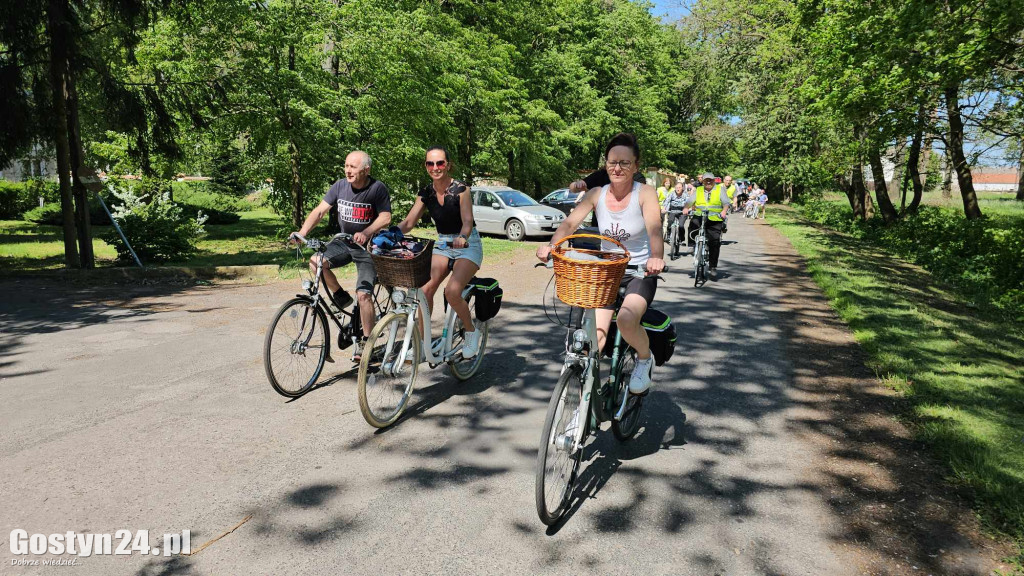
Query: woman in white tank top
pixel 629 212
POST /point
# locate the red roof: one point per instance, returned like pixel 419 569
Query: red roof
pixel 995 177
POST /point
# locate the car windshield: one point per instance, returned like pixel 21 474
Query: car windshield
pixel 515 198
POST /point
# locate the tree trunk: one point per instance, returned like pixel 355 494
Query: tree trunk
pixel 511 158
pixel 881 188
pixel 787 192
pixel 956 150
pixel 78 189
pixel 858 194
pixel 295 162
pixel 947 177
pixel 56 23
pixel 1020 173
pixel 914 170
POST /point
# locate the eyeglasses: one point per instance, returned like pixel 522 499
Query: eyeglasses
pixel 438 164
pixel 620 164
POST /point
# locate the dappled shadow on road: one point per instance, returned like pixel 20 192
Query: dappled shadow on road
pixel 33 306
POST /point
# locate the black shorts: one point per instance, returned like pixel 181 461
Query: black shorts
pixel 339 254
pixel 645 287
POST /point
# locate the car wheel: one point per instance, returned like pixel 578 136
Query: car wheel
pixel 514 230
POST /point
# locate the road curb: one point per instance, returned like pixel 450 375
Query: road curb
pixel 157 274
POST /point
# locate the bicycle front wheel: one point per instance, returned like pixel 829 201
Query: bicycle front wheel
pixel 387 370
pixel 464 369
pixel 295 347
pixel 558 460
pixel 627 427
pixel 674 242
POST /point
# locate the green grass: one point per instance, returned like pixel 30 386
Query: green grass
pixel 991 203
pixel 258 238
pixel 960 370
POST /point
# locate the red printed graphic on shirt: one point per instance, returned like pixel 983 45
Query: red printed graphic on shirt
pixel 355 212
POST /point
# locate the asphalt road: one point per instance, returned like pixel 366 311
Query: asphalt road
pixel 148 409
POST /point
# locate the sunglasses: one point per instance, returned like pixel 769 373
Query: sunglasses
pixel 438 164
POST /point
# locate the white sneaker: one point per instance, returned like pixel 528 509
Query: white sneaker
pixel 640 381
pixel 471 344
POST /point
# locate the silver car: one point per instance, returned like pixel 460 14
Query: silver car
pixel 502 210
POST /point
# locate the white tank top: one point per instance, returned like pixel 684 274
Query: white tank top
pixel 626 226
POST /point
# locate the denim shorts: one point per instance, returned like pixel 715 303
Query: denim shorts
pixel 474 252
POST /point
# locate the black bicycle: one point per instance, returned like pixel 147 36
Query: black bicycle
pixel 676 232
pixel 298 341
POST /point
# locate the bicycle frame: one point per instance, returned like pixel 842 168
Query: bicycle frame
pixel 412 301
pixel 588 357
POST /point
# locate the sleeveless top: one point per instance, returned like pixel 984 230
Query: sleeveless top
pixel 626 226
pixel 448 216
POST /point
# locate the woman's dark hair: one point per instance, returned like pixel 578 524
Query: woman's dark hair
pixel 623 139
pixel 441 148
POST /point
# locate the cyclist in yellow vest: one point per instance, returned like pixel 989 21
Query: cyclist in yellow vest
pixel 712 200
pixel 730 190
pixel 663 190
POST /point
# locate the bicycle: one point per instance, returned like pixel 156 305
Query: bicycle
pixel 751 210
pixel 700 253
pixel 393 353
pixel 673 233
pixel 565 431
pixel 299 338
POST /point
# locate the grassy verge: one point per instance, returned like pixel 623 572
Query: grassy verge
pixel 960 371
pixel 258 238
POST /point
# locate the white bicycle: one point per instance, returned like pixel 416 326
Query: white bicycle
pixel 393 353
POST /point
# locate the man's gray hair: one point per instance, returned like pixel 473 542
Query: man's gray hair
pixel 367 161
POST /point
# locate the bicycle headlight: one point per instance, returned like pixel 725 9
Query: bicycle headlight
pixel 579 338
pixel 307 285
pixel 398 297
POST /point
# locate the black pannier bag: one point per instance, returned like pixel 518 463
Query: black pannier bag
pixel 660 331
pixel 488 298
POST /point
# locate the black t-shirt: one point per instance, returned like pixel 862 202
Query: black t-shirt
pixel 600 178
pixel 447 217
pixel 357 209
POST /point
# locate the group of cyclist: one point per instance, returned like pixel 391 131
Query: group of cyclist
pixel 625 206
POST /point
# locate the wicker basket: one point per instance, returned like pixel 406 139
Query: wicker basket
pixel 589 283
pixel 407 273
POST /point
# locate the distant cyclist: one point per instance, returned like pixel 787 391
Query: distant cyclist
pixel 712 200
pixel 629 212
pixel 674 204
pixel 450 205
pixel 364 207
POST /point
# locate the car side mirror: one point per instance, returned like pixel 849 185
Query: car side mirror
pixel 496 206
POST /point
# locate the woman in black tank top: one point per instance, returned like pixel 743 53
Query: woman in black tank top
pixel 450 205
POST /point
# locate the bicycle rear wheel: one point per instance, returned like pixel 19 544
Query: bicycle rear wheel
pixel 295 347
pixel 627 427
pixel 465 369
pixel 385 384
pixel 558 461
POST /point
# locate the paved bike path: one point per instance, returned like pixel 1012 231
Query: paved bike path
pixel 153 412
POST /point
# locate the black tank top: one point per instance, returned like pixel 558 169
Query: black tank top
pixel 448 216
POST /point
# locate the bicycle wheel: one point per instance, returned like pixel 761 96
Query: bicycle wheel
pixel 385 386
pixel 295 347
pixel 674 242
pixel 626 428
pixel 465 369
pixel 557 463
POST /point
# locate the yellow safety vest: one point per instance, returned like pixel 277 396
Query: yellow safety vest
pixel 714 206
pixel 730 191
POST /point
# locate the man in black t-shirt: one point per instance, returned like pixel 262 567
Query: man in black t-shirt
pixel 364 208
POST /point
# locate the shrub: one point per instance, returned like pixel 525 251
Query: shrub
pixel 158 231
pixel 199 194
pixel 980 257
pixel 50 214
pixel 17 198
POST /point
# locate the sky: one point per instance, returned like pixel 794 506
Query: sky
pixel 674 9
